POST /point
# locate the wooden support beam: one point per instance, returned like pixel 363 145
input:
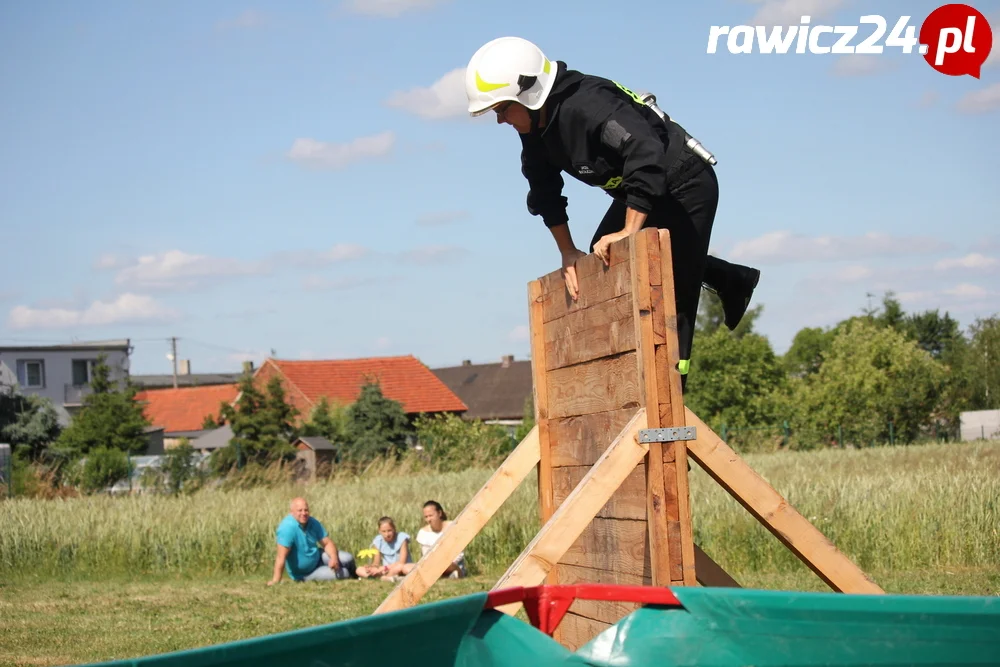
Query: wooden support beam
pixel 578 510
pixel 662 558
pixel 467 525
pixel 540 396
pixel 773 511
pixel 672 410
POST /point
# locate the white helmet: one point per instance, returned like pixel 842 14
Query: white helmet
pixel 508 68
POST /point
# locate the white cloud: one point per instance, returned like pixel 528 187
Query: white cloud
pixel 388 8
pixel 519 334
pixel 964 297
pixel 860 64
pixel 785 247
pixel 323 155
pixel 790 12
pixel 973 261
pixel 439 218
pixel 445 98
pixel 251 18
pixel 980 101
pixel 437 254
pixel 176 269
pixel 127 308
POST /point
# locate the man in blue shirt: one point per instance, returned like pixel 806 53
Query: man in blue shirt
pixel 298 535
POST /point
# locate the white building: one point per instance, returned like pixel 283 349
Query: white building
pixel 62 373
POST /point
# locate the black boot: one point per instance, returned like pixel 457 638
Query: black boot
pixel 734 284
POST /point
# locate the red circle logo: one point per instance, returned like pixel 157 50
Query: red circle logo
pixel 956 40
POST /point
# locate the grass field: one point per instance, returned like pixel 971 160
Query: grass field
pixel 91 579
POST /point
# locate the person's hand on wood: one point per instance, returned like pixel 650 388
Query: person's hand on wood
pixel 569 258
pixel 603 246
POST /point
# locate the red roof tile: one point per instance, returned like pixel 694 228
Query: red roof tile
pixel 404 379
pixel 185 408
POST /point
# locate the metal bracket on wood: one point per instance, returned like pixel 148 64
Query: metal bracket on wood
pixel 672 434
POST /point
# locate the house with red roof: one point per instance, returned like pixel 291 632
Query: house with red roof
pixel 403 378
pixel 181 412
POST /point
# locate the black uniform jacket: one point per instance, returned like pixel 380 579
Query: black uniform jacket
pixel 603 135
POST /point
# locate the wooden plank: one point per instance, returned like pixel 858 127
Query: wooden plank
pixel 573 515
pixel 607 284
pixel 581 439
pixel 773 511
pixel 671 413
pixel 504 481
pixel 711 573
pixel 613 310
pixel 657 503
pixel 585 267
pixel 589 344
pixel 628 502
pixel 596 386
pixel 618 545
pixel 546 500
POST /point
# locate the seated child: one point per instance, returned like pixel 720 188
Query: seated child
pixel 393 553
pixel 428 536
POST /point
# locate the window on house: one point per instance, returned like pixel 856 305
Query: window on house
pixel 31 373
pixel 83 371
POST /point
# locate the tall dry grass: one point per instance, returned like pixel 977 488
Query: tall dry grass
pixel 897 508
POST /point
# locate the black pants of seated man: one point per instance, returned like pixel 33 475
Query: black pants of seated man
pixel 688 212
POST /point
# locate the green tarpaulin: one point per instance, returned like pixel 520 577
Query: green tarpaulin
pixel 716 626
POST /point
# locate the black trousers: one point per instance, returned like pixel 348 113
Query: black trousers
pixel 689 213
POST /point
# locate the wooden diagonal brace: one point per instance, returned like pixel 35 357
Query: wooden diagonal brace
pixel 773 511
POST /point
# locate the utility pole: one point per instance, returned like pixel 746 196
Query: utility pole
pixel 173 356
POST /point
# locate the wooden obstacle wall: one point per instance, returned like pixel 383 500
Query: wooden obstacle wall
pixel 615 507
pixel 596 361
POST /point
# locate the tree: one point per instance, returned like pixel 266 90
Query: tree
pixel 110 417
pixel 331 422
pixel 735 380
pixel 453 443
pixel 28 423
pixel 871 376
pixel 983 363
pixel 805 355
pixel 262 424
pixel 378 425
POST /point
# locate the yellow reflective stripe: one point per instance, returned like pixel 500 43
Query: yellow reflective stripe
pixel 684 365
pixel 612 183
pixel 547 66
pixel 486 87
pixel 635 98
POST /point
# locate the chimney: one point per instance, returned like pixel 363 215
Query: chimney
pixel 248 367
pixel 466 362
pixel 185 367
pixel 506 360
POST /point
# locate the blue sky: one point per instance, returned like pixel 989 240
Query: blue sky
pixel 301 177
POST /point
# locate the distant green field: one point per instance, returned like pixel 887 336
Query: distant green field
pixel 900 508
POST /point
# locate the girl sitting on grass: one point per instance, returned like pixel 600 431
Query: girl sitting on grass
pixel 392 553
pixel 428 536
